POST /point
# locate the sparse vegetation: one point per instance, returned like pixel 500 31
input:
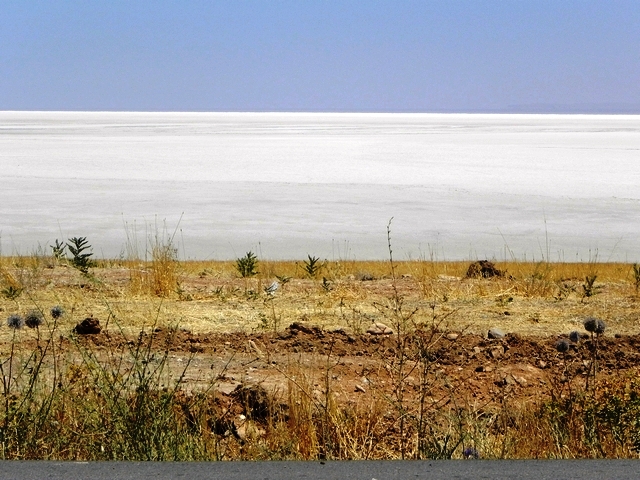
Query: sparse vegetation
pixel 58 250
pixel 312 266
pixel 81 260
pixel 434 388
pixel 247 266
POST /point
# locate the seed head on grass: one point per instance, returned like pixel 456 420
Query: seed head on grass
pixel 575 336
pixel 33 319
pixel 15 321
pixel 563 345
pixel 57 312
pixel 470 453
pixel 594 325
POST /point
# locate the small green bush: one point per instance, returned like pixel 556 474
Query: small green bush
pixel 78 247
pixel 247 265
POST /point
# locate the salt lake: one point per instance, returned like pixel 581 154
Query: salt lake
pixel 563 187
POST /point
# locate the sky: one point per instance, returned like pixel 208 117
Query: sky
pixel 336 56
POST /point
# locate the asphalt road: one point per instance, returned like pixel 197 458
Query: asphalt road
pixel 361 470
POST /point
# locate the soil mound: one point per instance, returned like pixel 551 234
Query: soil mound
pixel 89 326
pixel 484 269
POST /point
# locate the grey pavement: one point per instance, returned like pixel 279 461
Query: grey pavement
pixel 361 470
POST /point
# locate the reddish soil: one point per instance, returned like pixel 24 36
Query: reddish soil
pixel 478 370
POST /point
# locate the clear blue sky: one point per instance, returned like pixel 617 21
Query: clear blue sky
pixel 305 55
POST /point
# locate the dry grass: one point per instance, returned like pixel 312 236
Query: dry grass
pixel 130 388
pixel 540 299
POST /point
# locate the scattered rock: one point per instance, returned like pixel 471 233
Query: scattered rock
pixel 497 352
pixel 495 333
pixel 448 278
pixel 305 328
pixel 452 336
pixel 378 328
pixel 484 368
pixel 542 364
pixel 247 430
pixel 89 326
pixel 365 277
pixel 508 380
pixel 477 350
pixel 484 269
pixel 360 388
pixel 520 380
pixel 227 388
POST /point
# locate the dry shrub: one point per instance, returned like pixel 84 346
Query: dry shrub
pixel 300 422
pixel 160 277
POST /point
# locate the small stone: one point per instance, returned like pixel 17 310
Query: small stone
pixel 449 278
pixel 360 388
pixel 495 333
pixel 477 350
pixel 378 328
pixel 542 364
pixel 497 352
pixel 520 381
pixel 484 368
pixel 304 327
pixel 452 336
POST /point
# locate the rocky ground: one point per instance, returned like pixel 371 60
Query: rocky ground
pixel 356 367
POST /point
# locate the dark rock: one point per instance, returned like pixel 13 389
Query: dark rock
pixel 305 328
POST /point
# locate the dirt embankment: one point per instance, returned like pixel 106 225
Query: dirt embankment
pixel 479 368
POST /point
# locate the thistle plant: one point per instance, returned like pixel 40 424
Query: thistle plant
pixel 470 453
pixel 33 319
pixel 563 346
pixel 57 312
pixel 15 322
pixel 595 327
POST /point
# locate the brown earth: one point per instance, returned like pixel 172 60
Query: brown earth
pixel 233 334
pixel 480 371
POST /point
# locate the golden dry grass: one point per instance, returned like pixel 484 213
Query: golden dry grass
pixel 533 298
